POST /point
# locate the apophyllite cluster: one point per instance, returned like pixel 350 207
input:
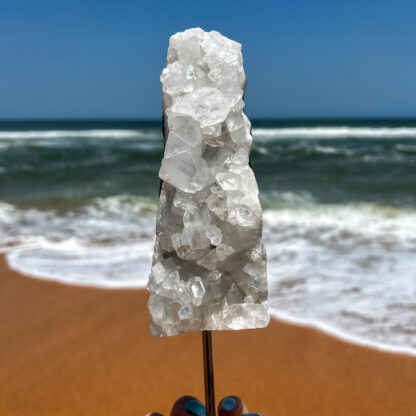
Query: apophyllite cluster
pixel 209 262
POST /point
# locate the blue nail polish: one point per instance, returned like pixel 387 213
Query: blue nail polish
pixel 196 408
pixel 252 414
pixel 229 403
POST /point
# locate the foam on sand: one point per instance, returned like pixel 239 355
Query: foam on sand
pixel 348 270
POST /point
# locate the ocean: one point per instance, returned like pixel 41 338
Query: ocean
pixel 78 202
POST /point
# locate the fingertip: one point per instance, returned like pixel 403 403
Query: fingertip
pixel 231 406
pixel 187 406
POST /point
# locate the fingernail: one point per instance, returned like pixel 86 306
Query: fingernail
pixel 252 414
pixel 196 408
pixel 229 403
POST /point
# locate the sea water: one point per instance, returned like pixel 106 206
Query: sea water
pixel 78 202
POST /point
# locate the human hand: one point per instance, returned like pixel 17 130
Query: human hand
pixel 190 406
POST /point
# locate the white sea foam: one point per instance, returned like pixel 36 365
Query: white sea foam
pixel 105 244
pixel 124 265
pixel 335 132
pixel 348 270
pixel 95 134
pixel 272 132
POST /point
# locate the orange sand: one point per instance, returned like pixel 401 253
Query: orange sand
pixel 79 351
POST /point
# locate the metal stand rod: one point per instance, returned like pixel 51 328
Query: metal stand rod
pixel 208 373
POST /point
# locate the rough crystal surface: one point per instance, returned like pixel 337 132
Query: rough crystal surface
pixel 209 262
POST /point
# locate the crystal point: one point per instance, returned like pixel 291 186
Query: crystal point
pixel 209 262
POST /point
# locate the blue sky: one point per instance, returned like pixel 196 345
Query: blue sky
pixel 308 58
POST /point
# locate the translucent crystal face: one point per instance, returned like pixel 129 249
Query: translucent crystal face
pixel 209 262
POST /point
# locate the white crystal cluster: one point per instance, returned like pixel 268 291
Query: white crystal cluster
pixel 209 262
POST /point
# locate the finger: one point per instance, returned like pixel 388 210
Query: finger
pixel 231 406
pixel 188 406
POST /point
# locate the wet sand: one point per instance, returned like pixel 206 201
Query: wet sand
pixel 68 350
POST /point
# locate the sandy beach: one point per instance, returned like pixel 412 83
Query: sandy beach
pixel 68 350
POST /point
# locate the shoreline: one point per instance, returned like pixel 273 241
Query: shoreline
pixel 78 350
pixel 277 315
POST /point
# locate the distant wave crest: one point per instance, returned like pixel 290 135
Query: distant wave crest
pixel 335 132
pixel 274 132
pixel 98 134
